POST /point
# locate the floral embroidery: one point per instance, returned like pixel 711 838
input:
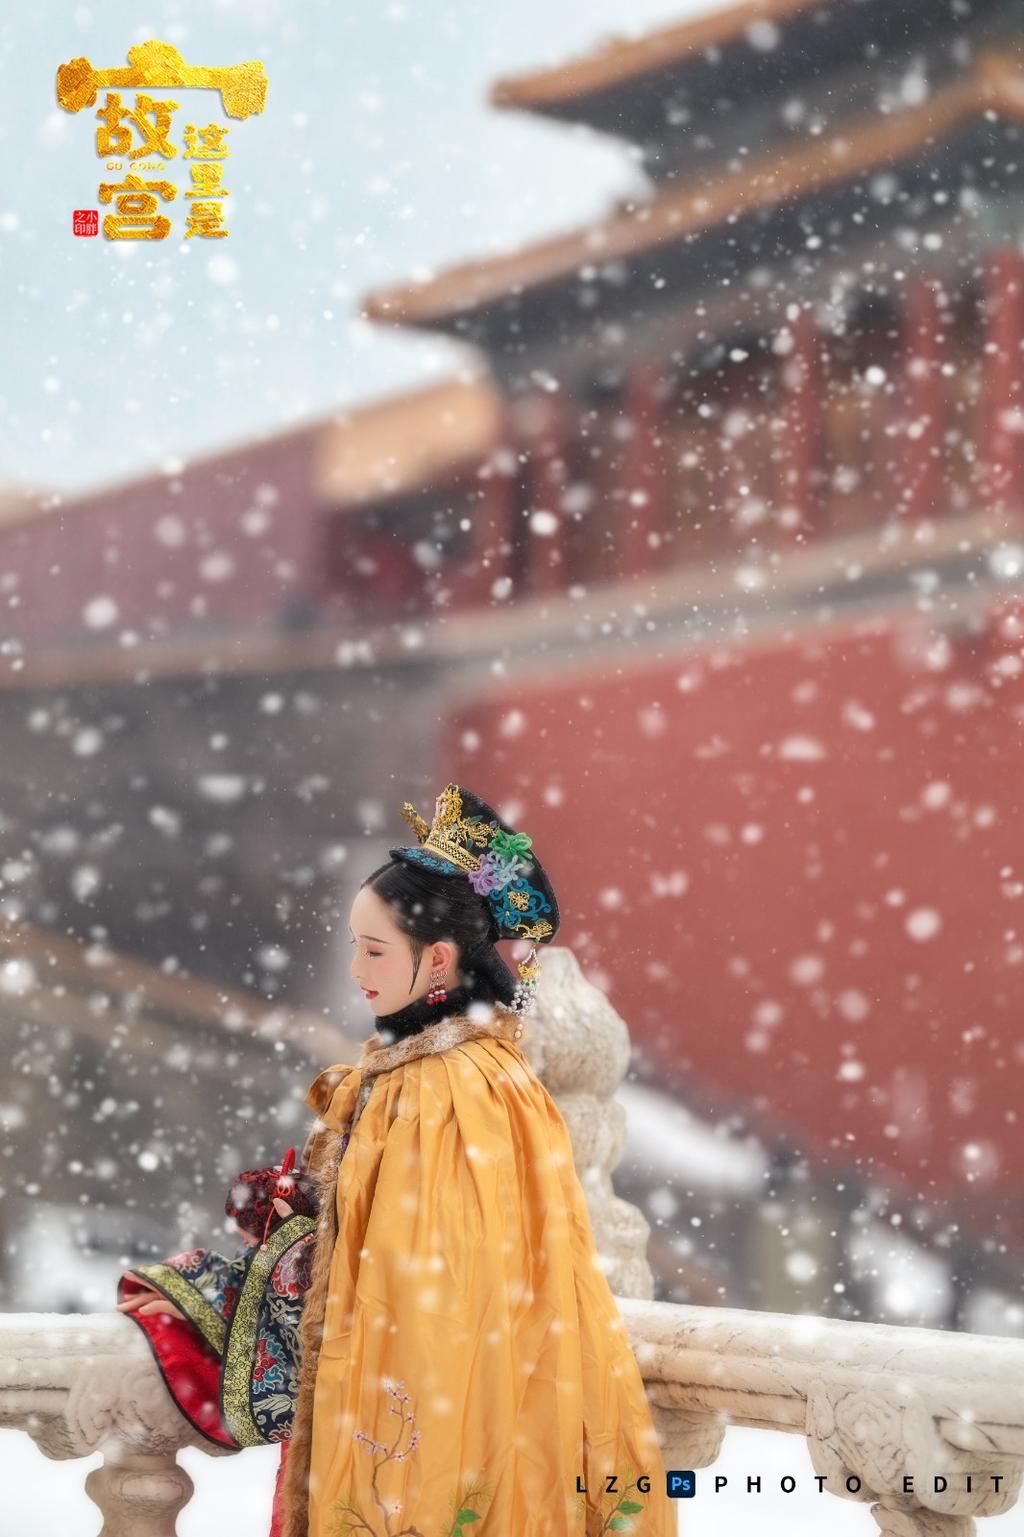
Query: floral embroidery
pixel 262 1351
pixel 268 1370
pixel 462 1507
pixel 349 1519
pixel 188 1260
pixel 494 873
pixel 617 1507
pixel 292 1276
pixel 520 900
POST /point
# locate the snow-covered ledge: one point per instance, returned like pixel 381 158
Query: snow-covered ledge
pixel 886 1411
pixel 877 1403
pixel 892 1407
pixel 81 1383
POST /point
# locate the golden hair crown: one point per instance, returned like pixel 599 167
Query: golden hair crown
pixel 468 835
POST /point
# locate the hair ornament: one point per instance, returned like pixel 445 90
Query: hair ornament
pixel 467 836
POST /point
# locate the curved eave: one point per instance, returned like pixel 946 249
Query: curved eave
pixel 752 43
pixel 859 146
pixel 621 61
pixel 406 442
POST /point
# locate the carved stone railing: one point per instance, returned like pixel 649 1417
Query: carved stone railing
pixel 896 1417
pixel 79 1384
pixel 885 1411
pixel 877 1405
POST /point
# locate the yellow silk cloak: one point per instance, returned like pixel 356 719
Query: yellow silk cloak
pixel 474 1371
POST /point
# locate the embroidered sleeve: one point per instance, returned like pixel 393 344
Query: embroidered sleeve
pixel 248 1310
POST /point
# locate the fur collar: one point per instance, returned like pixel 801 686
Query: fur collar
pixel 381 1057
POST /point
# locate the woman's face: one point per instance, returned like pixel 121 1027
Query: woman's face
pixel 382 957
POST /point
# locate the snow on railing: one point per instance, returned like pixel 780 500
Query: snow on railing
pixel 888 1413
pixel 81 1383
pixel 924 1425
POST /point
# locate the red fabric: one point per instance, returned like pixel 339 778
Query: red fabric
pixel 277 1516
pixel 191 1371
pixel 250 1200
pixel 190 1368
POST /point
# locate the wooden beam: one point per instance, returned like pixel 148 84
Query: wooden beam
pixel 802 388
pixel 925 348
pixel 641 520
pixel 1002 478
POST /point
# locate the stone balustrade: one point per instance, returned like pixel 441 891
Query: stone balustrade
pixel 81 1383
pixel 923 1425
pixel 887 1412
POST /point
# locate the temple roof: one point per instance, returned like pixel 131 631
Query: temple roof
pixel 401 443
pixel 758 45
pixel 870 142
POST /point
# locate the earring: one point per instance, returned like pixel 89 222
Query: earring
pixel 525 992
pixel 436 993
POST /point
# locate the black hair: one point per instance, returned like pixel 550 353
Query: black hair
pixel 428 905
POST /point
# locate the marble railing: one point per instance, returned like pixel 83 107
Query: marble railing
pixel 926 1427
pixel 888 1413
pixel 82 1383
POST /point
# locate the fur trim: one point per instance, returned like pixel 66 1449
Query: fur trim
pixel 322 1157
pixel 448 1032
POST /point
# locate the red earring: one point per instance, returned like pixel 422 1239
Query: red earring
pixel 436 993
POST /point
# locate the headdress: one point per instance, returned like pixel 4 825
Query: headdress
pixel 467 836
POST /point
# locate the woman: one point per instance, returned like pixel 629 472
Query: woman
pixel 462 1359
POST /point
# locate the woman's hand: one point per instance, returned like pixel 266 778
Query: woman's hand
pixel 146 1305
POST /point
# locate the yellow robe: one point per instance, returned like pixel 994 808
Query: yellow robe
pixel 474 1373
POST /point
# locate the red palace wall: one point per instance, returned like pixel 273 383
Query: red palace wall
pixel 798 867
pixel 228 542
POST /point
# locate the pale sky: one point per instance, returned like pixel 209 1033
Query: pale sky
pixel 377 157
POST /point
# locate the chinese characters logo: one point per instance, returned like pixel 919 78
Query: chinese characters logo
pixel 132 134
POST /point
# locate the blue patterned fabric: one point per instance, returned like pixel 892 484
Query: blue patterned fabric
pixel 430 860
pixel 510 917
pixel 248 1308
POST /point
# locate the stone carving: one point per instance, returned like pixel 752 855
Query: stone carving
pixel 579 1047
pixel 877 1403
pixel 79 1384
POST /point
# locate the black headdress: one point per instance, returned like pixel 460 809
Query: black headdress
pixel 468 837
